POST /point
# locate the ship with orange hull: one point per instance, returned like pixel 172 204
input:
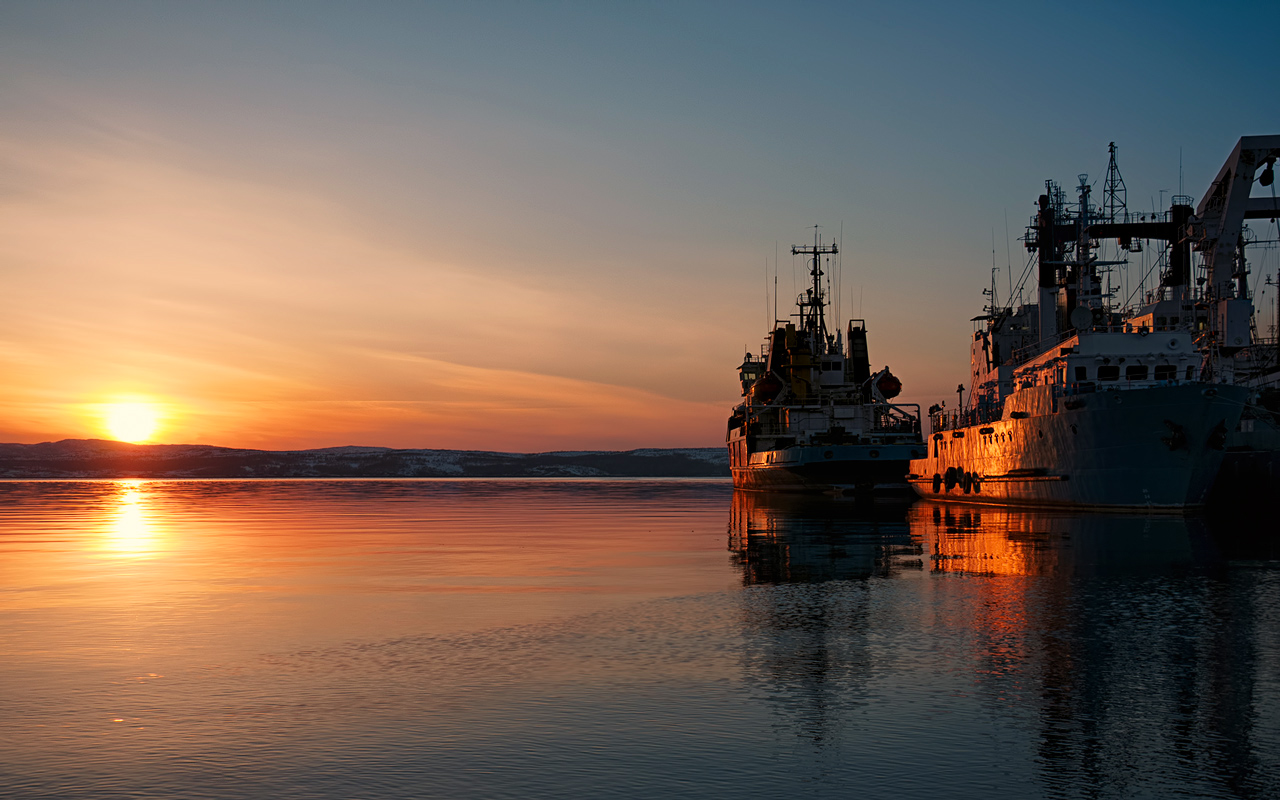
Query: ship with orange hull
pixel 1148 448
pixel 1073 402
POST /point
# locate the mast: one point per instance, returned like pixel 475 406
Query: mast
pixel 813 301
pixel 1083 268
pixel 1114 195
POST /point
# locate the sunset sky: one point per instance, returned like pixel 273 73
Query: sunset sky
pixel 545 226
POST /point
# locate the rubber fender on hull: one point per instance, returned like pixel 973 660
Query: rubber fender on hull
pixel 937 483
pixel 950 478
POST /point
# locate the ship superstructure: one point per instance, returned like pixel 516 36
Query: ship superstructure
pixel 1074 401
pixel 1236 347
pixel 1204 290
pixel 814 418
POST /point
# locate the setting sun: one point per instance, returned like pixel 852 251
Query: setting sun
pixel 132 422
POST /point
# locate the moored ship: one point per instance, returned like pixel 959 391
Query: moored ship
pixel 1231 334
pixel 814 418
pixel 1073 402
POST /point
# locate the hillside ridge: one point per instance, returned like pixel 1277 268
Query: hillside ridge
pixel 98 458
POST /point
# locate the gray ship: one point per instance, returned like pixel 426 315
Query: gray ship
pixel 1204 289
pixel 1219 307
pixel 1073 402
pixel 814 418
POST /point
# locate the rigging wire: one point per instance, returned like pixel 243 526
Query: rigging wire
pixel 1025 273
pixel 1155 264
pixel 1275 220
pixel 1253 291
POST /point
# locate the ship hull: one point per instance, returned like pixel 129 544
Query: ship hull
pixel 1250 474
pixel 838 469
pixel 1143 449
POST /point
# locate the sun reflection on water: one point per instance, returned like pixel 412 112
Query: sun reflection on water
pixel 130 531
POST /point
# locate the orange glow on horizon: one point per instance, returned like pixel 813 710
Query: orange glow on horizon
pixel 241 347
pixel 269 337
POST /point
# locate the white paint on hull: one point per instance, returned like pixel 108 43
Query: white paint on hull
pixel 1140 449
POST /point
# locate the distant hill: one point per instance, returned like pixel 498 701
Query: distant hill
pixel 96 458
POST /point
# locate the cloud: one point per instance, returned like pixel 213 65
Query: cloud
pixel 266 315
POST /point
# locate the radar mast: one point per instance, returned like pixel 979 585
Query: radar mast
pixel 812 303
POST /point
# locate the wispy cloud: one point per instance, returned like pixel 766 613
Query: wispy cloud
pixel 266 316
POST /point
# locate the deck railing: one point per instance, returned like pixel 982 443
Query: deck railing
pixel 886 418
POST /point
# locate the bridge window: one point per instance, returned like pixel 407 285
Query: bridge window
pixel 1136 372
pixel 1166 372
pixel 1082 373
pixel 1109 372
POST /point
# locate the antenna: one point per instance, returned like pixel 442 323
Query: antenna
pixel 839 275
pixel 794 289
pixel 830 282
pixel 775 285
pixel 992 291
pixel 1008 259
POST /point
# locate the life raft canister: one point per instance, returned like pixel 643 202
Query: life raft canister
pixel 889 386
pixel 766 389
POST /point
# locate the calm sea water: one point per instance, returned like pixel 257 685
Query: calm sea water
pixel 639 639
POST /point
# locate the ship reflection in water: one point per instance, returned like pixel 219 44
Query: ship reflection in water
pixel 584 638
pixel 1120 655
pixel 778 538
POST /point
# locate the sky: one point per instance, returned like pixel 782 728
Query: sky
pixel 547 226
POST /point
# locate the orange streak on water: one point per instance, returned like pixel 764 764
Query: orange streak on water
pixel 249 566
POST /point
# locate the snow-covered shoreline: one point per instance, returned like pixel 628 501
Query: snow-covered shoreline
pixel 95 458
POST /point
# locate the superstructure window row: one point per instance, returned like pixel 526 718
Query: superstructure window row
pixel 1134 372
